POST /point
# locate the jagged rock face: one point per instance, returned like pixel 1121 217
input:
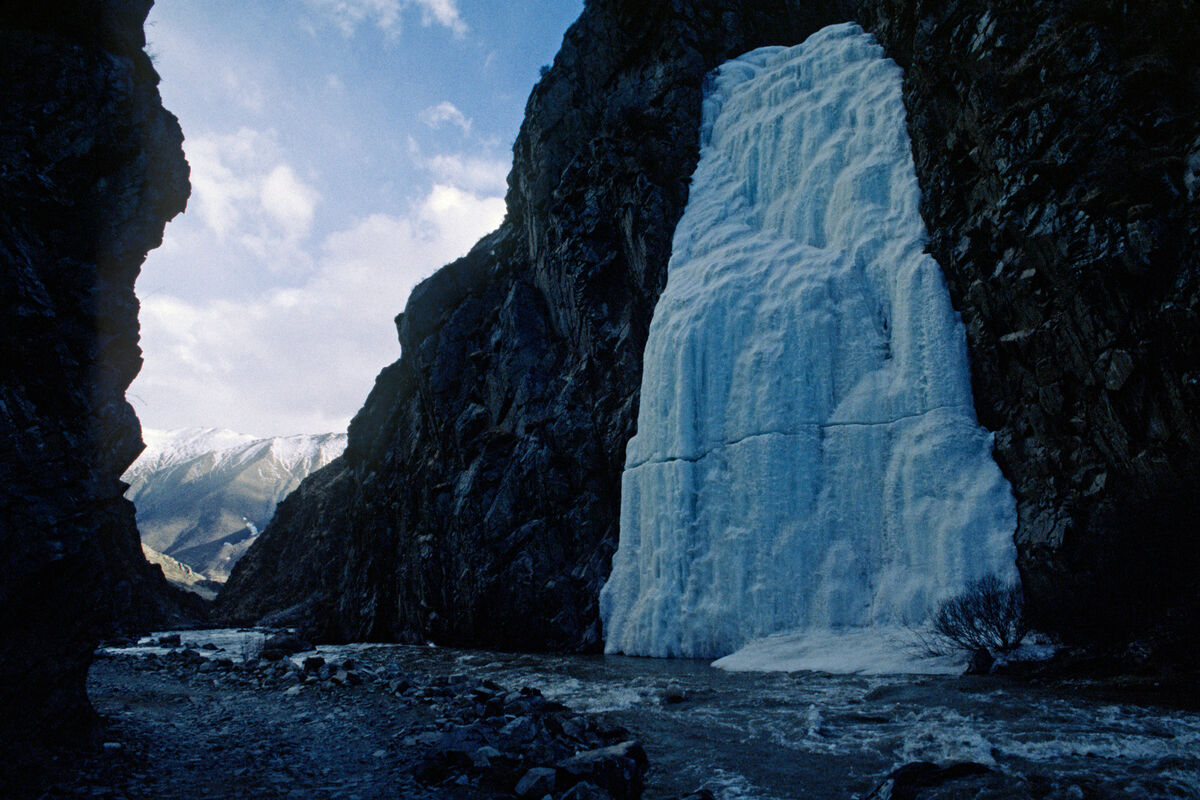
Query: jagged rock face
pixel 1058 148
pixel 92 170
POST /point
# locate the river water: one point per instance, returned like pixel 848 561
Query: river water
pixel 759 736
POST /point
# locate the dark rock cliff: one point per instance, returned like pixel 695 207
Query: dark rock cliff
pixel 1058 147
pixel 91 169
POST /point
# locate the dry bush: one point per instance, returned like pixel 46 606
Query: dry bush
pixel 988 615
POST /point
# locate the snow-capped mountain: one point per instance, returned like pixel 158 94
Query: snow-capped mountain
pixel 203 494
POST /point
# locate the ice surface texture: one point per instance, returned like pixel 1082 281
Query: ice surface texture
pixel 807 454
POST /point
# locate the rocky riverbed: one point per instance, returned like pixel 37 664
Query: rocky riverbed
pixel 228 714
pixel 200 721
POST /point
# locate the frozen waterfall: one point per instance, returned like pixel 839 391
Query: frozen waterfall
pixel 807 457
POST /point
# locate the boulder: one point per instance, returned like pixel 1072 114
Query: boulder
pixel 535 783
pixel 617 769
pixel 923 780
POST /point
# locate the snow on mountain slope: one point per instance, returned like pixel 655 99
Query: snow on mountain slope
pixel 807 455
pixel 202 494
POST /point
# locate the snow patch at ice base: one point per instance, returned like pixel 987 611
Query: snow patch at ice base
pixel 863 651
pixel 807 455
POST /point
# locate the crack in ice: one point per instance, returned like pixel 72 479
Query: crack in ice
pixel 801 429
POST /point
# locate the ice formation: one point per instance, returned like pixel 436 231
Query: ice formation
pixel 807 455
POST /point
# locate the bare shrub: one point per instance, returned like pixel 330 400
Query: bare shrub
pixel 988 615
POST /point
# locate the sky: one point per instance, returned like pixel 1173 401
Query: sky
pixel 340 153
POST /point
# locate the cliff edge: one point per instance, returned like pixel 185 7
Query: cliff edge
pixel 92 170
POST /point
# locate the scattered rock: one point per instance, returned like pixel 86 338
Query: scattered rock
pixel 287 643
pixel 586 791
pixel 536 783
pixel 520 731
pixel 673 694
pixel 618 769
pixel 923 780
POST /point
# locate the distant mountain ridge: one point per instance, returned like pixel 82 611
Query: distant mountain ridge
pixel 203 494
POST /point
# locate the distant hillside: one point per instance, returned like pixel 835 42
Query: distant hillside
pixel 181 574
pixel 203 494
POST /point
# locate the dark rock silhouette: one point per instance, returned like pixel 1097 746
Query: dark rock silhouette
pixel 92 170
pixel 1058 148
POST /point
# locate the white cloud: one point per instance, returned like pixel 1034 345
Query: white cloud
pixel 218 190
pixel 444 12
pixel 303 359
pixel 477 174
pixel 443 112
pixel 387 14
pixel 247 193
pixel 288 200
pixel 245 92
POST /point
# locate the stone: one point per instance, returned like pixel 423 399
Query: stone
pixel 575 727
pixel 535 783
pixel 286 643
pixel 586 791
pixel 616 769
pixel 673 694
pixel 484 756
pixel 191 657
pixel 1120 367
pixel 922 780
pixel 519 731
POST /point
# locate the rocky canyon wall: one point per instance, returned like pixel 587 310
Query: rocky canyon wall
pixel 92 169
pixel 1058 150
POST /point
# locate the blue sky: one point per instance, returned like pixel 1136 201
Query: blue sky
pixel 340 153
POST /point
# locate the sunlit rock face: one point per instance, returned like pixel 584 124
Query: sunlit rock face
pixel 807 454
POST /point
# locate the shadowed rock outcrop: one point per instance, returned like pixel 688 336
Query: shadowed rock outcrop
pixel 92 169
pixel 1058 148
